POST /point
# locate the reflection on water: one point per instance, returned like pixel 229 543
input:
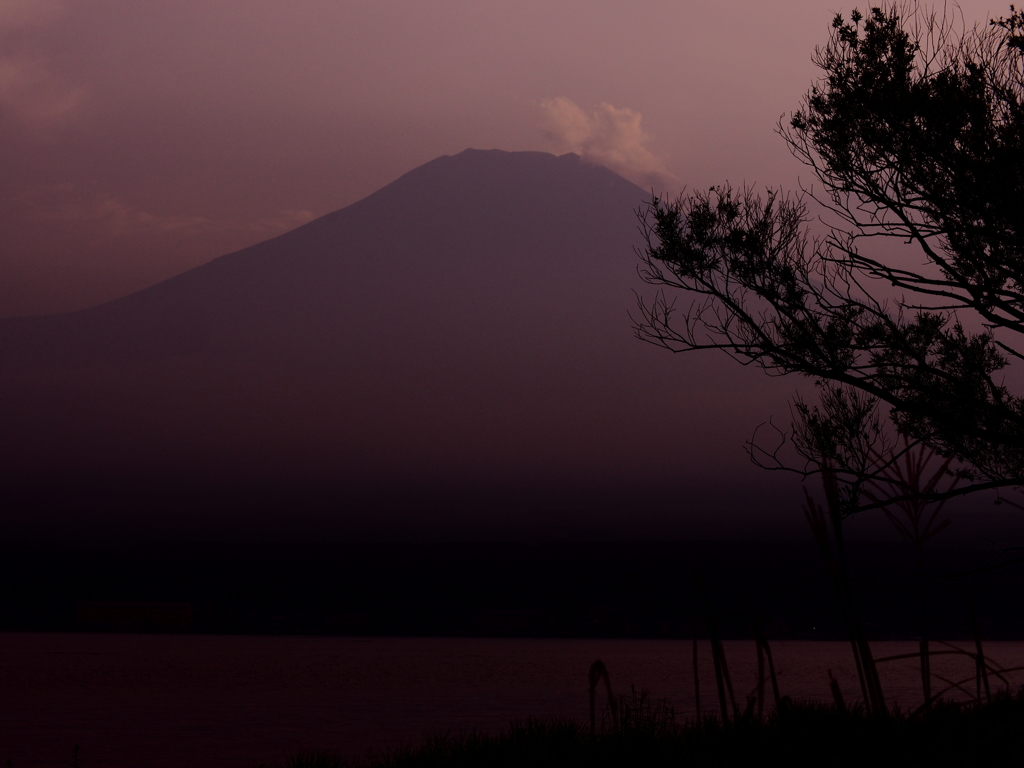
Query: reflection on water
pixel 166 700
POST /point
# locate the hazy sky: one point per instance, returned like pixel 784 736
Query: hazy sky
pixel 142 138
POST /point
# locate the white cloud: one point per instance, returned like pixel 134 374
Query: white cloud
pixel 610 136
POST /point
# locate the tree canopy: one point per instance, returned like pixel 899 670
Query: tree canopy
pixel 915 135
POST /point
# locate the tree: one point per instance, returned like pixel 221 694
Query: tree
pixel 915 132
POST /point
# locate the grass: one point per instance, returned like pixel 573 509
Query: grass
pixel 987 731
pixel 796 734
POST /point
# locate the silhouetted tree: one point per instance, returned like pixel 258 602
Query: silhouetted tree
pixel 915 132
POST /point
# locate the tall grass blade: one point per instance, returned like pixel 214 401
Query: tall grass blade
pixel 906 474
pixel 837 694
pixel 871 685
pixel 599 671
pixel 818 522
pixel 771 672
pixel 718 657
pixel 926 673
pixel 760 680
pixel 696 673
pixel 980 666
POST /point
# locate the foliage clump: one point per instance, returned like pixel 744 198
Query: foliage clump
pixel 915 134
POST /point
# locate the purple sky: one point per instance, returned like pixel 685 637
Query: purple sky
pixel 143 138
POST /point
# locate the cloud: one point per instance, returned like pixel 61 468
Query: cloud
pixel 30 89
pixel 610 136
pixel 283 221
pixel 117 219
pixel 122 219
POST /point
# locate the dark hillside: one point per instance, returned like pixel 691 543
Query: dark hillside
pixel 597 589
pixel 459 340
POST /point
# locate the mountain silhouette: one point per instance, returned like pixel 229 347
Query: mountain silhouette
pixel 416 259
pixel 465 327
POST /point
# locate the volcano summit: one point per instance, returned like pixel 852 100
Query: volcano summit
pixel 458 340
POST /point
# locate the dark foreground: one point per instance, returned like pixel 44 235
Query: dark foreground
pixel 801 734
pixel 639 589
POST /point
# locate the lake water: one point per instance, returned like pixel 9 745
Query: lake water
pixel 175 700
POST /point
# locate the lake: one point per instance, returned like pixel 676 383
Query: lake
pixel 208 700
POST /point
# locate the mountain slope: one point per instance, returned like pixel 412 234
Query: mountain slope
pixel 477 223
pixel 465 327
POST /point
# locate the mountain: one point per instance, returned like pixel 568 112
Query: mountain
pixel 435 245
pixel 459 338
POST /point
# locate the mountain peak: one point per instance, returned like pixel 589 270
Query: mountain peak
pixel 466 323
